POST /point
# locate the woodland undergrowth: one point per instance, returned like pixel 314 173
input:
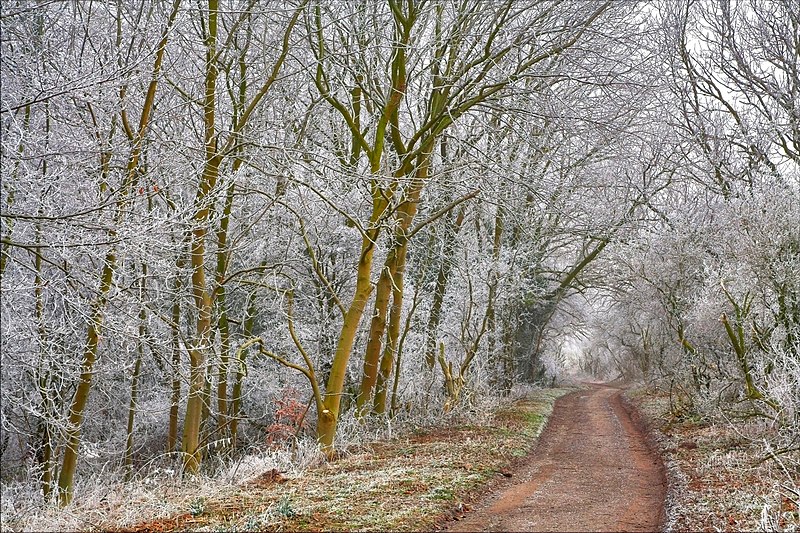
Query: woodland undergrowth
pixel 428 464
pixel 725 474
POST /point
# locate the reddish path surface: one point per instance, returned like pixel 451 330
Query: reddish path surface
pixel 592 470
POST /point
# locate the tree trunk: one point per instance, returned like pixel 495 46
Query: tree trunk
pixel 45 460
pixel 405 213
pixel 70 459
pixel 328 416
pixel 241 368
pixel 137 368
pixel 393 334
pixel 45 454
pixel 222 312
pixel 192 454
pixel 399 354
pixel 435 316
pixel 377 328
pixel 5 251
pixel 491 339
pixel 175 398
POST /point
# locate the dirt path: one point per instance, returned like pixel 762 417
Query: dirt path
pixel 591 471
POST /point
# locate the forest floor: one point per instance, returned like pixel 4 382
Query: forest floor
pixel 592 469
pixel 418 482
pixel 559 459
pixel 721 477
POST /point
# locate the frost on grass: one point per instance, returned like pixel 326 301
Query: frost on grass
pixel 404 483
pixel 98 498
pixel 290 461
pixel 398 476
pixel 724 474
pixel 102 501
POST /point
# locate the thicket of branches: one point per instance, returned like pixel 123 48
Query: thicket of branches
pixel 219 215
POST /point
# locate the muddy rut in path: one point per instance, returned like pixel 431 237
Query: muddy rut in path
pixel 592 470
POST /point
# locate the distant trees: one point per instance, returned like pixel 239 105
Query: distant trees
pixel 131 201
pixel 100 173
pixel 711 304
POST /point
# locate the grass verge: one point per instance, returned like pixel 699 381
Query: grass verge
pixel 720 478
pixel 406 484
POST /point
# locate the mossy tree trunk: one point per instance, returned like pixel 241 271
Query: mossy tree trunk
pixel 405 215
pixel 222 315
pixel 460 80
pixel 327 417
pixel 377 328
pixel 201 341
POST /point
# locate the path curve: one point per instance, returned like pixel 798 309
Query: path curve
pixel 592 470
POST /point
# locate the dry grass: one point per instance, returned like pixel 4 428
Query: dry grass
pixel 403 484
pixel 406 484
pixel 720 476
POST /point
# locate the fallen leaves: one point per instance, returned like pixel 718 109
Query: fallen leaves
pixel 722 483
pixel 268 478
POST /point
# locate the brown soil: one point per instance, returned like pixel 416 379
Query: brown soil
pixel 592 470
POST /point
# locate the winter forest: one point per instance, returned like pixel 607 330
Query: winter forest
pixel 227 223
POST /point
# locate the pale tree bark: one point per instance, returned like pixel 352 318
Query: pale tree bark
pixel 442 277
pixel 137 371
pixel 177 349
pixel 224 256
pixel 399 355
pixel 5 251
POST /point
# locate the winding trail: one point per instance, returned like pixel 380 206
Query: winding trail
pixel 592 470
